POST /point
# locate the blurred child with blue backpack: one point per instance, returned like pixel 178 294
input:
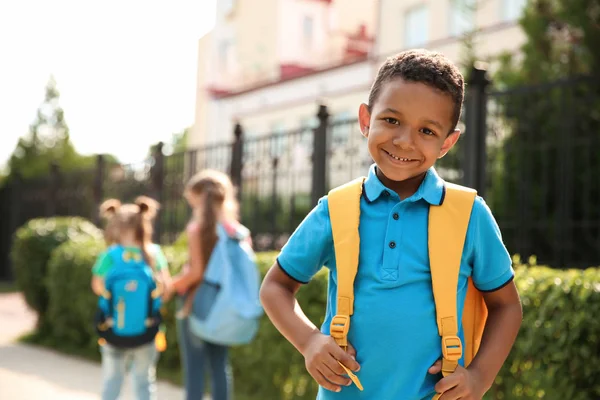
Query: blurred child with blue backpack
pixel 219 287
pixel 130 278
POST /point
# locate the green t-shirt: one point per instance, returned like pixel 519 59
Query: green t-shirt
pixel 104 263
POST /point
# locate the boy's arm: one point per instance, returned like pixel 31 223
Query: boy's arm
pixel 501 328
pixel 504 320
pixel 320 351
pixel 493 276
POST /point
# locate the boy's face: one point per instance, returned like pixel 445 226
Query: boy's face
pixel 407 128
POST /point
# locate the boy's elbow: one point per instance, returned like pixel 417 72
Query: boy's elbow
pixel 267 286
pixel 264 292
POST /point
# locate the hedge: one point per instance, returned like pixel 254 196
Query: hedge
pixel 72 303
pixel 31 251
pixel 555 357
pixel 557 352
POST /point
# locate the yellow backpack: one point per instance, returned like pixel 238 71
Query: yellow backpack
pixel 447 230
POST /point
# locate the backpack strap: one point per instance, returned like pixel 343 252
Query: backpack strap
pixel 344 214
pixel 447 231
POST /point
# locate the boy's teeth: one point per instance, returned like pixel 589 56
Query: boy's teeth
pixel 399 158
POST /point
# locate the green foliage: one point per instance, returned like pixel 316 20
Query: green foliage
pixel 72 304
pixel 282 374
pixel 554 357
pixel 47 142
pixel 31 251
pixel 544 130
pixel 558 348
pixel 563 39
pixel 267 215
pixel 179 141
pixel 7 287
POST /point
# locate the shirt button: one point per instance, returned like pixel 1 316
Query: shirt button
pixel 392 245
pixel 386 193
pixel 396 216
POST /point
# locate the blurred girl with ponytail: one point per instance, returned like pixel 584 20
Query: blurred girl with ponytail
pixel 211 196
pixel 128 235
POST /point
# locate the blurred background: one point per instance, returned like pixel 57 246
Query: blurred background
pixel 118 99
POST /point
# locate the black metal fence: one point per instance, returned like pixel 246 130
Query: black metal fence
pixel 533 152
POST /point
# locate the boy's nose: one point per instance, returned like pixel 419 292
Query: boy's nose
pixel 403 139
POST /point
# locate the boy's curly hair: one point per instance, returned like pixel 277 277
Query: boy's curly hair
pixel 424 66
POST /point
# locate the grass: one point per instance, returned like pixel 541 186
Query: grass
pixel 8 287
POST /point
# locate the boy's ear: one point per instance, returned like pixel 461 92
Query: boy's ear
pixel 364 119
pixel 449 142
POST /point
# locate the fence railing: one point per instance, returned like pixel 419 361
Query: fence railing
pixel 531 151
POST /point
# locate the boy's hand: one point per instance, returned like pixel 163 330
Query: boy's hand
pixel 321 357
pixel 461 384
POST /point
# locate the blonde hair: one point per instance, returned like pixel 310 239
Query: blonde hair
pixel 136 217
pixel 218 200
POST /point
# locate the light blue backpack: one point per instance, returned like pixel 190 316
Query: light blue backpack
pixel 226 308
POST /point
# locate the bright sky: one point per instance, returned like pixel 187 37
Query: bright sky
pixel 125 69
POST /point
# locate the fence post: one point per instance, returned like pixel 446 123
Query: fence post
pixel 237 162
pixel 319 158
pixel 274 205
pixel 157 175
pixel 53 189
pixel 98 188
pixel 475 150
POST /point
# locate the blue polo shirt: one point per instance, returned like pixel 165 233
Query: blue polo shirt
pixel 393 328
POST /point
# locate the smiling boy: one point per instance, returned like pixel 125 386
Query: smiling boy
pixel 409 122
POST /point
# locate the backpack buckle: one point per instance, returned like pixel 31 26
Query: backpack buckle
pixel 340 325
pixel 452 349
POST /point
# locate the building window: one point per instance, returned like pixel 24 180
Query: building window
pixel 416 26
pixel 462 17
pixel 512 9
pixel 308 31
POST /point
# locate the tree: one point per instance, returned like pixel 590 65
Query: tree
pixel 563 39
pixel 47 142
pixel 177 144
pixel 544 179
pixel 179 140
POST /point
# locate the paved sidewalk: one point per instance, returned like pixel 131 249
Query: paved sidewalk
pixel 33 373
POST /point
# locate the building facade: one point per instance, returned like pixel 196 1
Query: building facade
pixel 269 67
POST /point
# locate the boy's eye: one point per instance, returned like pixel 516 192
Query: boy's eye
pixel 427 131
pixel 392 121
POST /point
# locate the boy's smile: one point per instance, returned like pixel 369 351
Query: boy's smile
pixel 408 128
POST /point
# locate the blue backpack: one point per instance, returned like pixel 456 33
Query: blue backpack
pixel 129 311
pixel 226 309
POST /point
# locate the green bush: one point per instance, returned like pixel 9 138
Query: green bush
pixel 555 356
pixel 31 251
pixel 557 352
pixel 72 304
pixel 271 368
